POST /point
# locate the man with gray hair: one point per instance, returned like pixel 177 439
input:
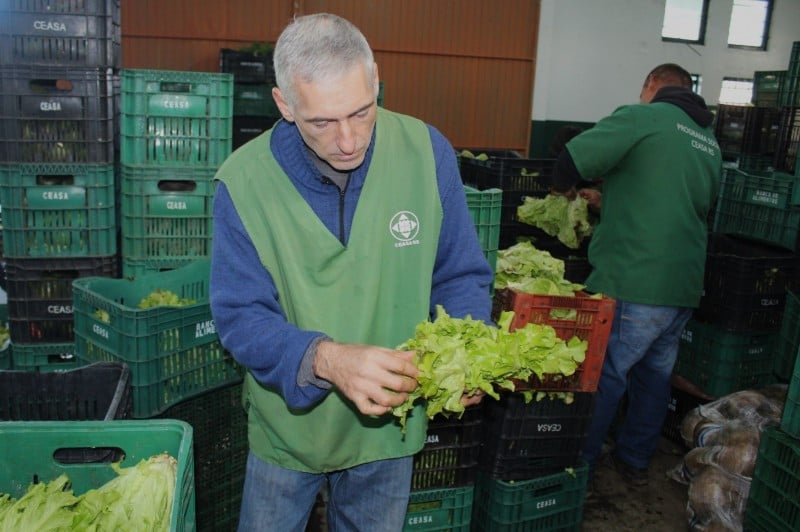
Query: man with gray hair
pixel 335 233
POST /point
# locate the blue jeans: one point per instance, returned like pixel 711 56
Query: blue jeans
pixel 371 496
pixel 641 353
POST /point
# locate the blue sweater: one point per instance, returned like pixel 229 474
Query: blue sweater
pixel 244 299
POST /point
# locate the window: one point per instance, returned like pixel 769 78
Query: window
pixel 736 91
pixel 685 21
pixel 750 24
pixel 697 81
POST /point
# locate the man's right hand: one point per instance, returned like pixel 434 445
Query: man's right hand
pixel 593 197
pixel 376 379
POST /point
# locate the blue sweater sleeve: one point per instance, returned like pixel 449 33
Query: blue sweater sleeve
pixel 249 320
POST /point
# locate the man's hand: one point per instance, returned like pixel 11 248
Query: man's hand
pixel 376 379
pixel 473 399
pixel 570 194
pixel 593 197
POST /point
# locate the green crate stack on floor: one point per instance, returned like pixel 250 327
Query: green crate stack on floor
pixel 179 370
pixel 773 502
pixel 58 144
pixel 175 132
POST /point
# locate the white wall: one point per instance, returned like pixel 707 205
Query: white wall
pixel 593 55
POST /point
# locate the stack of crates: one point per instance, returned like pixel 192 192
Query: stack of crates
pixel 530 475
pixel 175 133
pixel 519 178
pixel 773 502
pixel 254 109
pixel 58 137
pixel 762 124
pixel 729 126
pixel 728 345
pixel 179 370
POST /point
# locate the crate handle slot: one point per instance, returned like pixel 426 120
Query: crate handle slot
pixel 46 86
pixel 57 180
pixel 173 185
pixel 175 86
pixel 88 455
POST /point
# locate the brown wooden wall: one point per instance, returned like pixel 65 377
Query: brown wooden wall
pixel 465 66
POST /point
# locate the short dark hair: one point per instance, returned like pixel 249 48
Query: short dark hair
pixel 671 75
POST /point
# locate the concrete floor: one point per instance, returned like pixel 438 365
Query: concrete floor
pixel 659 507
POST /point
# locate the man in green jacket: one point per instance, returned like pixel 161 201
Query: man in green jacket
pixel 660 168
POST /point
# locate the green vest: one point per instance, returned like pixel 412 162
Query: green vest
pixel 372 291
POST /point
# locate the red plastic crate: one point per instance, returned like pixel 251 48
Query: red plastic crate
pixel 592 322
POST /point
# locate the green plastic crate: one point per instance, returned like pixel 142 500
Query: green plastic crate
pixel 773 502
pixel 552 502
pixel 166 218
pixel 767 86
pixel 440 509
pixel 721 362
pixel 790 421
pixel 787 343
pixel 30 450
pixel 45 357
pixel 485 208
pixel 174 352
pixel 219 425
pixel 175 118
pixel 763 207
pixel 254 100
pixel 58 210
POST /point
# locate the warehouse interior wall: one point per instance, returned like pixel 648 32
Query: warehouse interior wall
pixel 465 66
pixel 593 56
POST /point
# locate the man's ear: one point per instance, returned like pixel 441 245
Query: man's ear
pixel 283 107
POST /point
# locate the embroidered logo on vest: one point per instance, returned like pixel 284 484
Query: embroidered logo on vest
pixel 404 227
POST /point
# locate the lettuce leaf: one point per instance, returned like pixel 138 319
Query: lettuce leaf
pixel 559 217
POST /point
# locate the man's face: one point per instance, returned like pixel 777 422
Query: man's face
pixel 335 116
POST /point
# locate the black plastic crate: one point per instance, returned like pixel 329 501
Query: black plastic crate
pixel 247 67
pixel 219 423
pixel 450 456
pixel 40 302
pixel 57 115
pixel 516 177
pixel 767 87
pixel 788 141
pixel 681 402
pixel 526 440
pixel 81 34
pixel 761 131
pixel 729 125
pixel 100 391
pixel 745 284
pixel 246 128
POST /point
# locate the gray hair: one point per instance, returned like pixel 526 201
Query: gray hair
pixel 314 47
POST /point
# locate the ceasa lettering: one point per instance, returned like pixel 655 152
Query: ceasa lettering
pixel 432 438
pixel 176 103
pixel 44 25
pixel 100 331
pixel 53 195
pixel 59 309
pixel 420 520
pixel 204 328
pixel 50 106
pixel 176 205
pixel 545 504
pixel 548 427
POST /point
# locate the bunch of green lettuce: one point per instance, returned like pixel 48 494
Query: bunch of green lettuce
pixel 533 271
pixel 462 355
pixel 138 499
pixel 557 216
